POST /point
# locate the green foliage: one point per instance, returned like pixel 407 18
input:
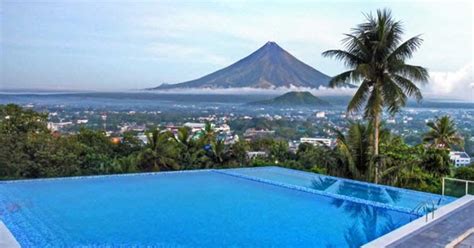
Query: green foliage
pixel 29 150
pixel 466 173
pixel 376 55
pixel 442 133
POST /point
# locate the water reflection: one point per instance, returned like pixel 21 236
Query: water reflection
pixel 368 222
pixel 322 183
pixel 361 191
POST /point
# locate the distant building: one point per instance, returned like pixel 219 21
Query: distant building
pixel 321 114
pixel 142 137
pixel 82 121
pixel 57 126
pixel 460 158
pixel 195 127
pixel 317 141
pixel 224 128
pixel 256 154
pixel 173 129
pixel 253 133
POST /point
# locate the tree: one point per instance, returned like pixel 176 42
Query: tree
pixel 442 133
pixel 376 56
pixel 96 151
pixel 17 127
pixel 466 172
pixel 279 151
pixel 208 134
pixel 160 152
pixel 436 162
pixel 319 159
pixel 238 152
pixel 191 152
pixel 355 152
pixel 218 152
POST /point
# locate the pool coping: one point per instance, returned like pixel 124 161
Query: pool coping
pixel 7 240
pixel 418 224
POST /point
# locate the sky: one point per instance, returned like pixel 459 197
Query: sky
pixel 119 45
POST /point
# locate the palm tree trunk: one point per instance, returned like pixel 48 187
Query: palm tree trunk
pixel 376 146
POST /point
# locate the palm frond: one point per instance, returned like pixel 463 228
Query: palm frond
pixel 344 78
pixel 359 98
pixel 349 59
pixel 408 87
pixel 406 49
pixel 411 72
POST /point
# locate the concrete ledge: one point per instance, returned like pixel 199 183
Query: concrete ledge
pixel 418 224
pixel 6 238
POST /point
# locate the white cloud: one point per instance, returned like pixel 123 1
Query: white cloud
pixel 251 26
pixel 457 84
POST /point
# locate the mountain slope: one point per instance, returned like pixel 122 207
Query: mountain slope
pixel 268 67
pixel 294 98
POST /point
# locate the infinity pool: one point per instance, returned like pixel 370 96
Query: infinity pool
pixel 204 208
pixel 397 198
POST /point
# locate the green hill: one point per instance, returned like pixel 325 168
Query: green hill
pixel 294 98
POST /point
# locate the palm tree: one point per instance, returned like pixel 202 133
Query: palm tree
pixel 354 150
pixel 159 152
pixel 442 133
pixel 208 134
pixel 190 151
pixel 218 151
pixel 376 56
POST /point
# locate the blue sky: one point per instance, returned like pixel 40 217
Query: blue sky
pixel 104 45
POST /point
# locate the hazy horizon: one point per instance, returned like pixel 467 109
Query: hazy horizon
pixel 125 45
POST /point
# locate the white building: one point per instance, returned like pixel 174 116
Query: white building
pixel 57 126
pixel 142 137
pixel 256 154
pixel 316 141
pixel 82 121
pixel 321 114
pixel 224 128
pixel 460 158
pixel 195 127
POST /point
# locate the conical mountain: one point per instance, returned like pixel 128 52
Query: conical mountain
pixel 268 67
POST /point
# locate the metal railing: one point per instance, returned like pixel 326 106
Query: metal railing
pixel 425 207
pixel 468 186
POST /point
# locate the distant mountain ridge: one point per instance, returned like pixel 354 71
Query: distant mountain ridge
pixel 268 67
pixel 294 98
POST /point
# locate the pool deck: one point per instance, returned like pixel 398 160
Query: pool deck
pixel 452 226
pixel 6 238
pixel 468 242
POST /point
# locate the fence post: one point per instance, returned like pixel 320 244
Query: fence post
pixel 442 186
pixel 467 188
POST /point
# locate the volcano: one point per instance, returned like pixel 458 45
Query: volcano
pixel 267 68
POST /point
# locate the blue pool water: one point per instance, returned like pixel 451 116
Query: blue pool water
pixel 185 209
pixel 401 199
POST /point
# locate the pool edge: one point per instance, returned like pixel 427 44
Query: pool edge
pixel 7 240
